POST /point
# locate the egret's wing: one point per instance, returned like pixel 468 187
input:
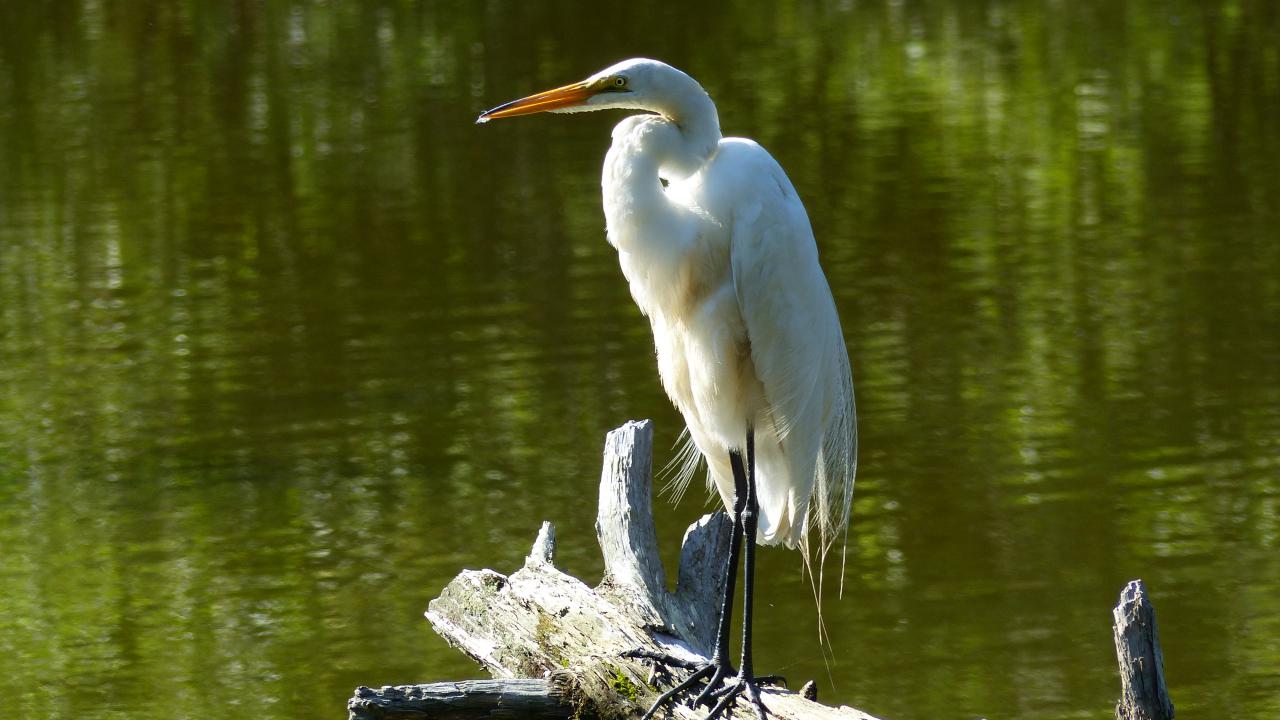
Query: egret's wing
pixel 797 346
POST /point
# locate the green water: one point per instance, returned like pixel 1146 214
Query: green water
pixel 286 341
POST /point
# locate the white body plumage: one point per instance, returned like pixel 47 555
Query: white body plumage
pixel 722 260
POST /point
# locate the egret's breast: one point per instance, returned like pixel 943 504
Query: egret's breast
pixel 675 256
pixel 704 354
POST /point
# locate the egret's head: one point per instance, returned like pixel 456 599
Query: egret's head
pixel 635 84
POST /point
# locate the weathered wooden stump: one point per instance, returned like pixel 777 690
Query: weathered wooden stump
pixel 1143 693
pixel 540 623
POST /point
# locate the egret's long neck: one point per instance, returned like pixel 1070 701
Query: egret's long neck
pixel 695 116
pixel 642 216
pixel 652 230
pixel 672 145
pixel 630 181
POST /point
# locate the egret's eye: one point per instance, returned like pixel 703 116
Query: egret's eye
pixel 619 82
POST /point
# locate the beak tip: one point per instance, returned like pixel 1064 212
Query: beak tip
pixel 482 119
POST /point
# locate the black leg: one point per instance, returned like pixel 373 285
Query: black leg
pixel 746 683
pixel 722 684
pixel 740 483
pixel 750 518
pixel 719 669
pixel 741 493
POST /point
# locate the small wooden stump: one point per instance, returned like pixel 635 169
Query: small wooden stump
pixel 1144 695
pixel 540 623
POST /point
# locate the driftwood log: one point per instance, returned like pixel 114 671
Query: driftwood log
pixel 1143 694
pixel 527 699
pixel 555 645
pixel 540 623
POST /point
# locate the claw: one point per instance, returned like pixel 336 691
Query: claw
pixel 715 686
pixel 740 686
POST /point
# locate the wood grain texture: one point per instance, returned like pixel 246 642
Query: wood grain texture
pixel 1143 693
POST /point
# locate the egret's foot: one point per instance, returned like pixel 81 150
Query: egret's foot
pixel 748 689
pixel 713 685
pixel 693 690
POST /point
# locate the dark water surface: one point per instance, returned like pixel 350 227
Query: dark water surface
pixel 286 341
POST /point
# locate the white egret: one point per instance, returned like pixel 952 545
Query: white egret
pixel 720 257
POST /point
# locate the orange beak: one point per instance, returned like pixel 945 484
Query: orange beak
pixel 560 97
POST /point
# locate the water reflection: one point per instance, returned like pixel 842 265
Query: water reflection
pixel 285 341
